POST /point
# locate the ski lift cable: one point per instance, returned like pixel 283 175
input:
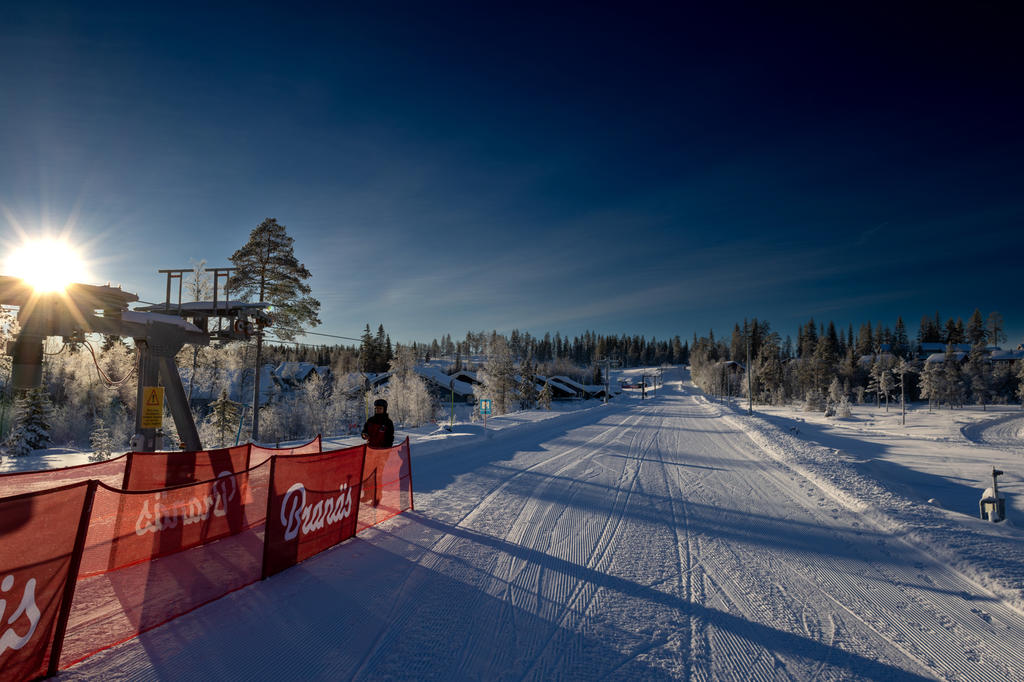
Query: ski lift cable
pixel 110 382
pixel 305 332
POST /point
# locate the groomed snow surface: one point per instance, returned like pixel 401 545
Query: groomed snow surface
pixel 671 538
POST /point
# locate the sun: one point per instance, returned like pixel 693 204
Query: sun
pixel 49 265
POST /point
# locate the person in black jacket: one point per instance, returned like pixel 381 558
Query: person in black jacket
pixel 379 430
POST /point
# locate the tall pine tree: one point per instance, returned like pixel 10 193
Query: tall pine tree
pixel 266 270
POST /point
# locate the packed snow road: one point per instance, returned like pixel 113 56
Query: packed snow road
pixel 639 541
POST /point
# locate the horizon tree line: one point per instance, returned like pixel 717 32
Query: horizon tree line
pixel 826 367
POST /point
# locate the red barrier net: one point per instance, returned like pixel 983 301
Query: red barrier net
pixel 387 485
pixel 155 470
pixel 135 575
pixel 149 556
pixel 313 505
pixel 110 472
pixel 261 454
pixel 38 533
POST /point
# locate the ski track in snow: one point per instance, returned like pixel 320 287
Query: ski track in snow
pixel 1005 431
pixel 665 540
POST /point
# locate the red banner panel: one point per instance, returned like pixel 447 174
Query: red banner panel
pixel 110 472
pixel 129 527
pixel 134 575
pixel 261 454
pixel 38 533
pixel 155 470
pixel 387 484
pixel 113 607
pixel 313 505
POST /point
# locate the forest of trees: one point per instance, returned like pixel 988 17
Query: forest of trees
pixel 828 368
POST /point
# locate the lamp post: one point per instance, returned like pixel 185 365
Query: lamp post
pixel 451 385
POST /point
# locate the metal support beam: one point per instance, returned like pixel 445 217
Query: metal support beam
pixel 145 439
pixel 178 403
pixel 178 274
pixel 27 361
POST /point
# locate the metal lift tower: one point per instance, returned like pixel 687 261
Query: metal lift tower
pixel 87 309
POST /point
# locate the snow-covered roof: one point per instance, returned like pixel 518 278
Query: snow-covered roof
pixel 589 390
pixel 866 360
pixel 558 385
pixel 467 376
pixel 438 377
pixel 376 379
pixel 1006 355
pixel 569 382
pixel 939 358
pixel 295 372
pixel 518 378
pixel 938 347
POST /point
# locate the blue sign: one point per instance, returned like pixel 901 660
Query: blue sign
pixel 485 406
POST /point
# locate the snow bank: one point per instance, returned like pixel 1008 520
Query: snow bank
pixel 991 555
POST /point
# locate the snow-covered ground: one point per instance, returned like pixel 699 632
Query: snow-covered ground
pixel 673 538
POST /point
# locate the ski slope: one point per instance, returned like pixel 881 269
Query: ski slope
pixel 650 540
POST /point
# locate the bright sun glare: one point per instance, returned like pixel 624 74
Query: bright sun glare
pixel 47 264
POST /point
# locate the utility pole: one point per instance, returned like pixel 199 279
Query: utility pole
pixel 607 385
pixel 750 394
pixel 903 398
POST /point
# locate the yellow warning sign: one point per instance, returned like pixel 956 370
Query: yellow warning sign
pixel 152 407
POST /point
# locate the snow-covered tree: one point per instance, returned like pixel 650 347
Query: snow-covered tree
pixel 814 402
pixel 835 391
pixel 31 429
pixel 409 401
pixel 952 379
pixel 198 286
pixel 320 411
pixel 903 368
pixel 1020 388
pixel 528 384
pixel 101 440
pixel 932 383
pixel 498 378
pixel 545 396
pixel 979 373
pixel 768 372
pixel 873 386
pixel 219 429
pixel 278 422
pixel 886 381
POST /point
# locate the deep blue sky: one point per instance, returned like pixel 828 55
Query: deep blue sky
pixel 629 170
